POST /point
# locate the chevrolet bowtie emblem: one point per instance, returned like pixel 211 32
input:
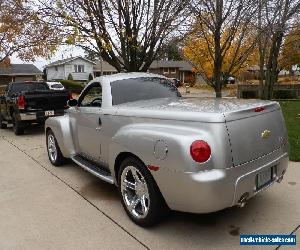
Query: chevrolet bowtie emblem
pixel 266 134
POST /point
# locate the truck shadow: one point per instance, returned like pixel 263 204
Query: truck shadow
pixel 99 190
pixel 31 130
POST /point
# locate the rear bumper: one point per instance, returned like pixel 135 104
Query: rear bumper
pixel 213 190
pixel 28 116
pixel 38 115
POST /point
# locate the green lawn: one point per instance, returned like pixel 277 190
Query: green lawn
pixel 291 111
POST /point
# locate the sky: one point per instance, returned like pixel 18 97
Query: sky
pixel 63 52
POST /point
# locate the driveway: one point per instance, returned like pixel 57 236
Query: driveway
pixel 67 208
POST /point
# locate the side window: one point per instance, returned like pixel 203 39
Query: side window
pixel 92 97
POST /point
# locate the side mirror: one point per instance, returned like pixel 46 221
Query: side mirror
pixel 72 103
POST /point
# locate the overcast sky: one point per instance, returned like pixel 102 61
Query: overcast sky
pixel 62 53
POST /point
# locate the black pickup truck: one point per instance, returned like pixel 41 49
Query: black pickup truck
pixel 24 103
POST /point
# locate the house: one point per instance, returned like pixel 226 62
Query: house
pixel 181 70
pixel 78 67
pixel 103 68
pixel 19 72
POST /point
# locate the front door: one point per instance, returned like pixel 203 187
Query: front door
pixel 87 123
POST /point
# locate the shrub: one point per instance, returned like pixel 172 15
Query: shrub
pixel 249 94
pixel 73 86
pixel 70 77
pixel 284 94
pixel 91 77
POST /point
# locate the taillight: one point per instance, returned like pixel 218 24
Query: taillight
pixel 70 97
pixel 21 102
pixel 259 109
pixel 200 151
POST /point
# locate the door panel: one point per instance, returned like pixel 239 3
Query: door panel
pixel 86 127
pixel 88 133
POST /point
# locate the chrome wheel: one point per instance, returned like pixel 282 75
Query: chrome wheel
pixel 135 192
pixel 52 150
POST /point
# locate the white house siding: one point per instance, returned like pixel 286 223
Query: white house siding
pixel 52 74
pixel 88 69
pixel 64 70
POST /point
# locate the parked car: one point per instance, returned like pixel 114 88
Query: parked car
pixel 24 103
pixel 230 80
pixel 55 86
pixel 163 151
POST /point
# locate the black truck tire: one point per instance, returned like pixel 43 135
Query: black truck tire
pixel 17 125
pixel 2 125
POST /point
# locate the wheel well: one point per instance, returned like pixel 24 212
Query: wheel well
pixel 121 157
pixel 47 130
pixel 118 162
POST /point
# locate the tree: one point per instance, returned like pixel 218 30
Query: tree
pixel 275 19
pixel 127 34
pixel 22 33
pixel 237 58
pixel 172 52
pixel 70 77
pixel 223 29
pixel 91 77
pixel 290 54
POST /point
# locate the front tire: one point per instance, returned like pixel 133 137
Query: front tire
pixel 2 125
pixel 55 156
pixel 139 193
pixel 17 125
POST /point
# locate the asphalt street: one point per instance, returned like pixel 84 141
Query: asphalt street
pixel 43 207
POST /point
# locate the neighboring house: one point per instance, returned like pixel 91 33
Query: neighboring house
pixel 104 67
pixel 255 71
pixel 79 67
pixel 181 70
pixel 19 72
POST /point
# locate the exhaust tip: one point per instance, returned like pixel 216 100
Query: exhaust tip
pixel 243 200
pixel 280 179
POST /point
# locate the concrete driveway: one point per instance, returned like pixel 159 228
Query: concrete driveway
pixel 43 207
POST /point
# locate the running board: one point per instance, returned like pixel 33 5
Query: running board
pixel 94 169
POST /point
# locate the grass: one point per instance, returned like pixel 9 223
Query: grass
pixel 291 111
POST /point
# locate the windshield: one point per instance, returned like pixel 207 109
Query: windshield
pixel 28 86
pixel 57 86
pixel 143 88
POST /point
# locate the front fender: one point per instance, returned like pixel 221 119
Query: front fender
pixel 61 128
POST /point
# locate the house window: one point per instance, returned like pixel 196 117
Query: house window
pixel 79 68
pixel 56 68
pixel 173 70
pixel 166 70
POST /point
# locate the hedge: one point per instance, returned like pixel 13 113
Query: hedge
pixel 73 86
pixel 284 94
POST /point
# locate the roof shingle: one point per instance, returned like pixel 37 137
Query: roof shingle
pixel 182 65
pixel 20 69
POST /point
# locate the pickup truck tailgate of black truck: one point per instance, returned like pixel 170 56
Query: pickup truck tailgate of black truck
pixel 46 99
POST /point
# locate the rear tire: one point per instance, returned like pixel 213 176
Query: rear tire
pixel 54 153
pixel 17 125
pixel 139 193
pixel 2 125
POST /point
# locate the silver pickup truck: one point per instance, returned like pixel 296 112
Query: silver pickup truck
pixel 164 151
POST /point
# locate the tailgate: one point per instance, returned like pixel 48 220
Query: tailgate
pixel 46 100
pixel 253 135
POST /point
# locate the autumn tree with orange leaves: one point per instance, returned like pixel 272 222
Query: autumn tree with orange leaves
pixel 22 33
pixel 290 54
pixel 222 38
pixel 239 56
